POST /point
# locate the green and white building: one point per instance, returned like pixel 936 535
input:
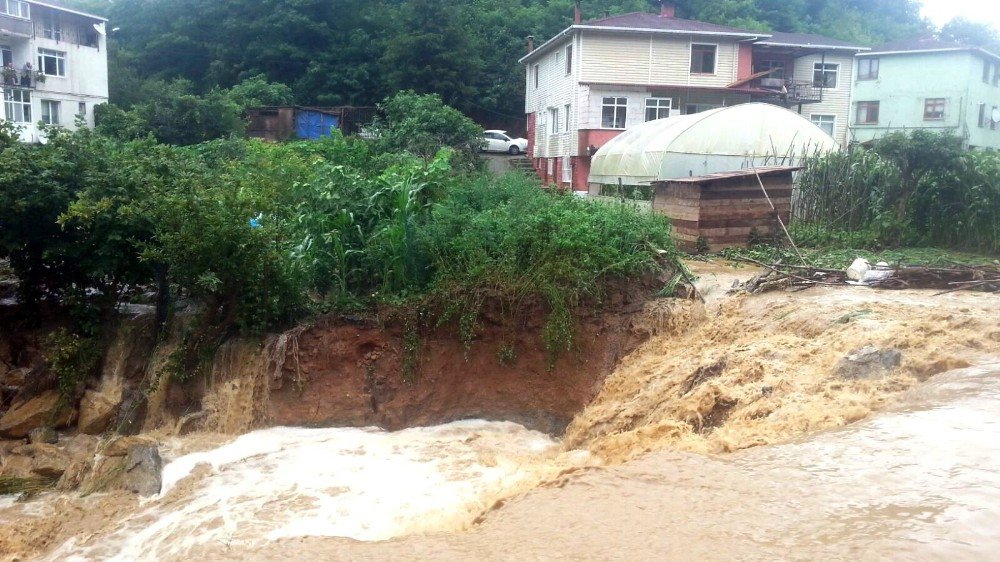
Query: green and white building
pixel 927 84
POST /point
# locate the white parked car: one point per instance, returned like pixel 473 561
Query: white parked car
pixel 499 141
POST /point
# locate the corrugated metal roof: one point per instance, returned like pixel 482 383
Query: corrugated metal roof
pixel 646 20
pixel 809 40
pixel 762 171
pixel 925 45
pixel 63 6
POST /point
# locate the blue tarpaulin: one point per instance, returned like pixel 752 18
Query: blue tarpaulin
pixel 310 124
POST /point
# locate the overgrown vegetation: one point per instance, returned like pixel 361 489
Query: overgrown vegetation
pixel 72 358
pixel 260 235
pixel 842 257
pixel 10 485
pixel 173 112
pixel 908 189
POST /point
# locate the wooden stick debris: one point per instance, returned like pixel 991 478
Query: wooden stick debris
pixel 954 279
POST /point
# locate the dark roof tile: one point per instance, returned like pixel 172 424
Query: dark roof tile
pixel 645 20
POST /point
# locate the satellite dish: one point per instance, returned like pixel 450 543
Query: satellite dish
pixel 996 115
pixel 99 27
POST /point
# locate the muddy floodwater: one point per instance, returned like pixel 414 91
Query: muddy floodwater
pixel 918 482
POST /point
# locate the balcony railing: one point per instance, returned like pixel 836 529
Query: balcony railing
pixel 22 81
pixel 18 27
pixel 786 92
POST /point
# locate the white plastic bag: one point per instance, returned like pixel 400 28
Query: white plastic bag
pixel 858 269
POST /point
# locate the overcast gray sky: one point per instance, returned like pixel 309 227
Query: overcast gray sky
pixel 942 11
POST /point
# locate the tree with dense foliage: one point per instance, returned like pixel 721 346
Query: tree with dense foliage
pixel 423 124
pixel 334 52
pixel 968 32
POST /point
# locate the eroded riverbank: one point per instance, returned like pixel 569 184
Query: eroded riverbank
pixel 905 480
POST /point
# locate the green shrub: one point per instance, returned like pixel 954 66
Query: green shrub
pixel 509 241
pixel 915 188
pixel 72 358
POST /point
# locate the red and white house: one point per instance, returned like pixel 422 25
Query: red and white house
pixel 596 78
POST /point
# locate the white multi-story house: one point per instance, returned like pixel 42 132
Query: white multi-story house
pixel 55 65
pixel 595 79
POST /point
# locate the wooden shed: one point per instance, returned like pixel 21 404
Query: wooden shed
pixel 722 210
pixel 283 123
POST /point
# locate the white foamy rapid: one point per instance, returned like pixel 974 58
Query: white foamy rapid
pixel 364 484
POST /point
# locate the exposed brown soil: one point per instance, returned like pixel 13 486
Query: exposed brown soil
pixel 343 373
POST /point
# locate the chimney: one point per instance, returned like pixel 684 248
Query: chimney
pixel 667 9
pixel 531 43
pixel 577 13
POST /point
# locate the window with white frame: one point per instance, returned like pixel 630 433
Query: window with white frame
pixel 657 108
pixel 866 113
pixel 982 116
pixel 777 68
pixel 613 112
pixel 16 8
pixel 81 109
pixel 553 120
pixel 569 58
pixel 868 69
pixel 567 109
pixel 987 68
pixel 17 105
pixel 703 58
pixel 826 122
pixel 567 170
pixel 534 75
pixel 50 112
pixel 52 28
pixel 51 63
pixel 825 75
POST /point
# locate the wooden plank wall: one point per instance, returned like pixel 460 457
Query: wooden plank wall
pixel 724 211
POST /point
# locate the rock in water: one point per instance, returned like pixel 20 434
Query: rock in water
pixel 42 410
pixel 43 435
pixel 97 410
pixel 869 363
pixel 131 413
pixel 47 461
pixel 120 446
pixel 143 470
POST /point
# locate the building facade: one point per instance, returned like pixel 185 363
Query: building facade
pixel 597 78
pixel 55 65
pixel 928 84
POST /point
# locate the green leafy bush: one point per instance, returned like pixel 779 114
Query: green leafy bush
pixel 509 241
pixel 72 358
pixel 422 124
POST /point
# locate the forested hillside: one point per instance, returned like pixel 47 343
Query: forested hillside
pixel 335 52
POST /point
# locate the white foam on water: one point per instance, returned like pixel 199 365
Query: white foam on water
pixel 364 484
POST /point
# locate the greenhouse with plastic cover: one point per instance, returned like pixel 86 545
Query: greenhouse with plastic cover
pixel 719 140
